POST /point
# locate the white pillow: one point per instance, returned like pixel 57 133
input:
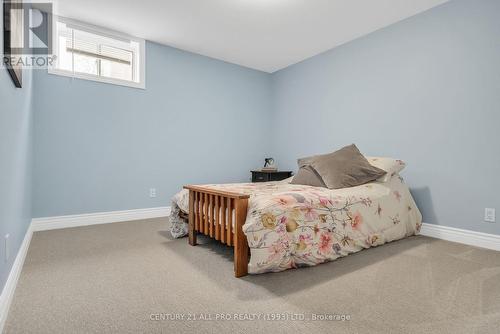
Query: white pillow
pixel 391 166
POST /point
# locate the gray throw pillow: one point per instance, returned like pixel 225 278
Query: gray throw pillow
pixel 344 168
pixel 309 177
pixel 307 161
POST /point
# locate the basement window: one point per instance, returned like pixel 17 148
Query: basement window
pixel 91 53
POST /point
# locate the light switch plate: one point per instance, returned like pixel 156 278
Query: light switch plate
pixel 489 215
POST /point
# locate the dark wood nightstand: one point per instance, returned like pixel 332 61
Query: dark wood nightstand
pixel 266 176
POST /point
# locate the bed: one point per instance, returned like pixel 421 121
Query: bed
pixel 275 226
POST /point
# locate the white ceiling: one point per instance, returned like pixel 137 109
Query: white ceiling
pixel 267 35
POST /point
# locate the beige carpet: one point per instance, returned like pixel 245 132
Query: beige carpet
pixel 113 278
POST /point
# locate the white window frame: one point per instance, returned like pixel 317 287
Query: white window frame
pixel 107 33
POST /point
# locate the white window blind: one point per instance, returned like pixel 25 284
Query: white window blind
pixel 88 53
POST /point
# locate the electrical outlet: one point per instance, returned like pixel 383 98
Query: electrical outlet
pixel 7 252
pixel 489 215
pixel 152 192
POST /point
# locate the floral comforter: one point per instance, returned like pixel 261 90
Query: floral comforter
pixel 290 226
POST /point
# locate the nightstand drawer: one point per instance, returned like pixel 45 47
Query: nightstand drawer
pixel 279 176
pixel 260 177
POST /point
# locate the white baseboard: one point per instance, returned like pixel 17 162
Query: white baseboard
pixel 52 223
pixel 478 239
pixel 11 283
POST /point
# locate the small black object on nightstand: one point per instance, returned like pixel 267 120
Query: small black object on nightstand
pixel 267 176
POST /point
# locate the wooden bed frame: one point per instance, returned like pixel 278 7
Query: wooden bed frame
pixel 207 215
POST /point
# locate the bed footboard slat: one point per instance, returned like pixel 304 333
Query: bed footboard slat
pixel 223 220
pixel 210 216
pixel 196 208
pixel 229 236
pixel 217 220
pixel 205 220
pixel 200 212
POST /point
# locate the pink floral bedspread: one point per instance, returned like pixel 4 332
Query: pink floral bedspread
pixel 290 226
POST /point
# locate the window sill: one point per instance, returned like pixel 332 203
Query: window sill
pixel 138 85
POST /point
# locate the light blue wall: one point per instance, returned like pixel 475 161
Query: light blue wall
pixel 426 90
pixel 101 147
pixel 15 166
